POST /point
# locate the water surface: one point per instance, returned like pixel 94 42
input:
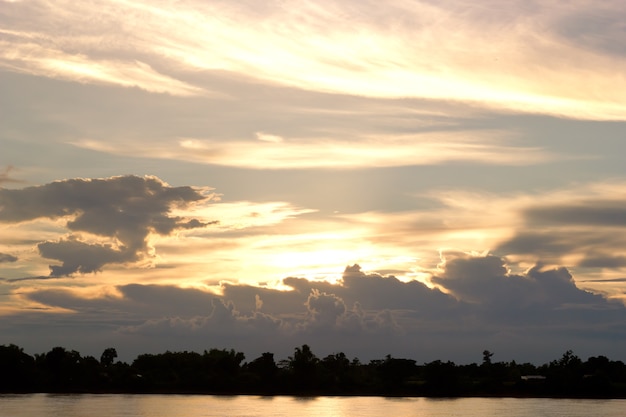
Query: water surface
pixel 89 405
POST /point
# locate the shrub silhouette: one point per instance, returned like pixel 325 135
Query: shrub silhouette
pixel 224 371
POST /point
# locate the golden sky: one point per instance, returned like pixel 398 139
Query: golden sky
pixel 282 164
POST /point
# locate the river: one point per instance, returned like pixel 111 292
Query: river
pixel 118 405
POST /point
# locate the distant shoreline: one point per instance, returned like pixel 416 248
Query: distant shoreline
pixel 304 395
pixel 225 372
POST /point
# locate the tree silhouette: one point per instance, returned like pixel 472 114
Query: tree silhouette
pixel 63 368
pixel 107 357
pixel 222 367
pixel 219 371
pixel 565 375
pixel 303 365
pixel 264 366
pixel 16 368
pixel 394 372
pixel 263 373
pixel 335 373
pixel 487 357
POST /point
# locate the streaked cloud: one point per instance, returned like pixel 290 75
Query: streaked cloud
pixel 34 59
pixel 275 152
pixel 464 159
pixel 519 58
pixel 266 137
pixel 579 226
pixel 121 220
pixel 5 257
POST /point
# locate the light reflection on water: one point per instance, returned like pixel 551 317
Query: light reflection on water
pixel 87 405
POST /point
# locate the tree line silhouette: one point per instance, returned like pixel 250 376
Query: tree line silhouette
pixel 223 371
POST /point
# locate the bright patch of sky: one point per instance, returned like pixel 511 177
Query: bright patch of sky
pixel 246 156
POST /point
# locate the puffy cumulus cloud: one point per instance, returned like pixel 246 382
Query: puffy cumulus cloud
pixel 359 303
pixel 328 312
pixel 269 317
pixel 373 293
pixel 223 318
pixel 379 292
pixel 325 308
pixel 120 213
pixel 538 309
pixel 522 316
pixel 223 326
pixel 486 282
pixel 5 257
pixel 140 307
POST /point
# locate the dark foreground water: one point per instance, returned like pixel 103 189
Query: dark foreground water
pixel 87 405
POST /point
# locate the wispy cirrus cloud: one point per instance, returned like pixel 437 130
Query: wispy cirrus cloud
pixel 42 61
pixel 371 151
pixel 431 143
pixel 517 58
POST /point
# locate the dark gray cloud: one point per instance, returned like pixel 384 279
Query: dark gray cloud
pixel 125 210
pixel 368 293
pixel 591 213
pixel 83 257
pixel 135 303
pixel 31 278
pixel 531 316
pixel 535 297
pixel 325 308
pixel 374 291
pixel 603 261
pixel 589 228
pixel 545 244
pixel 605 280
pixel 102 206
pixel 5 257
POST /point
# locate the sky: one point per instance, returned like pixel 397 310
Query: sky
pixel 420 179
